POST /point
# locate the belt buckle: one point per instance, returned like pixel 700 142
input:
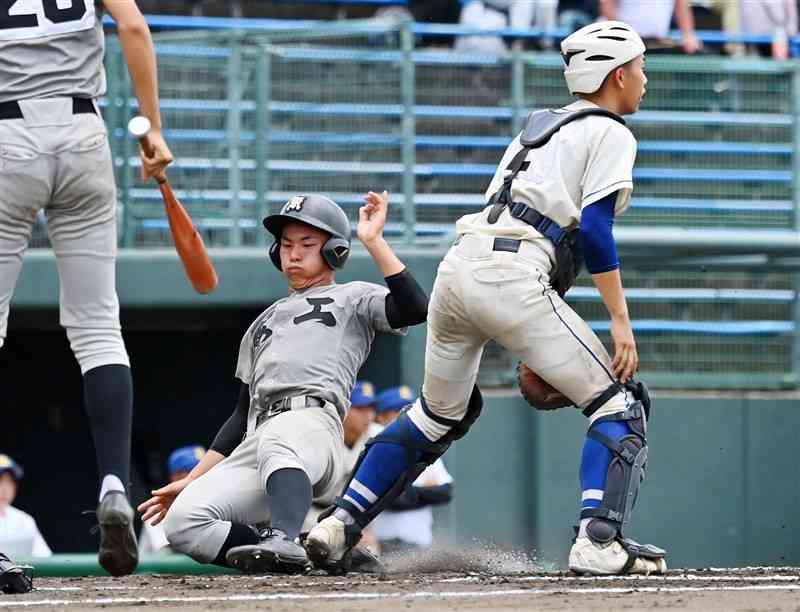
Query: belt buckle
pixel 274 409
pixel 282 405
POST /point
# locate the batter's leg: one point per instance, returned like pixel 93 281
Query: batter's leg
pixel 24 189
pixel 82 226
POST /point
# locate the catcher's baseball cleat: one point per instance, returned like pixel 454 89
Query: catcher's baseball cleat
pixel 274 554
pixel 362 561
pixel 587 557
pixel 118 554
pixel 327 548
pixel 15 578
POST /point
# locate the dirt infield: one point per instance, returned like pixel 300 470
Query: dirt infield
pixel 702 590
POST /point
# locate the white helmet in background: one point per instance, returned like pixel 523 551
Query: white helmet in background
pixel 592 52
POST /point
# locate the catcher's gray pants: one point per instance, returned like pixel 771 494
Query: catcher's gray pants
pixel 61 163
pixel 234 491
pixel 481 294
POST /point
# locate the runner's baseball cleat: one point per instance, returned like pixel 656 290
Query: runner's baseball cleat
pixel 274 554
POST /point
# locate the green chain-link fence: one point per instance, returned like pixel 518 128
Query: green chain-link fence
pixel 254 118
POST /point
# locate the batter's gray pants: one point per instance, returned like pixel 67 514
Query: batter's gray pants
pixel 234 491
pixel 61 163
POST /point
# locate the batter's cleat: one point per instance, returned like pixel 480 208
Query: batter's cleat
pixel 274 554
pixel 327 547
pixel 612 558
pixel 118 553
pixel 15 579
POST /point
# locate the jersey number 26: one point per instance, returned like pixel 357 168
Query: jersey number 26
pixel 37 18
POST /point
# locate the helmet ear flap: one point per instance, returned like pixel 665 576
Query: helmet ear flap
pixel 275 255
pixel 335 252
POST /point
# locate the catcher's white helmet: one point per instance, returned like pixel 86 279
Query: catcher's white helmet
pixel 595 50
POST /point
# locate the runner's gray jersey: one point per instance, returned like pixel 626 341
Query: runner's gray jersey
pixel 312 342
pixel 51 48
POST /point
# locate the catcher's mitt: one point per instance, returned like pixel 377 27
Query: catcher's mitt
pixel 537 392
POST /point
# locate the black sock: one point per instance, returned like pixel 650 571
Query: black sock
pixel 108 392
pixel 289 498
pixel 239 535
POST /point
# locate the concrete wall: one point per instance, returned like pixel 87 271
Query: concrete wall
pixel 721 486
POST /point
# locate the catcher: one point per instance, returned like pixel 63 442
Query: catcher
pixel 283 445
pixel 504 279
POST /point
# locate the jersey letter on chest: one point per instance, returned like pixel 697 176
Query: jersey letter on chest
pixel 317 314
pixel 261 335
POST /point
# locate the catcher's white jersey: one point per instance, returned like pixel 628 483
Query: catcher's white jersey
pixel 481 293
pixel 582 163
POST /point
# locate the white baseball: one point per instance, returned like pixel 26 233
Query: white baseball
pixel 139 126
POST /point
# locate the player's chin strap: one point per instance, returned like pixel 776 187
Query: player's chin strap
pixel 419 456
pixel 625 473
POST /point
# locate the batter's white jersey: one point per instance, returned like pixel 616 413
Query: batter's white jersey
pixel 585 161
pixel 20 536
pixel 650 19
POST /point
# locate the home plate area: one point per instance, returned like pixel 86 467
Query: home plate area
pixel 769 588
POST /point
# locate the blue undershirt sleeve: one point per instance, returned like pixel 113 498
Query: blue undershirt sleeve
pixel 596 237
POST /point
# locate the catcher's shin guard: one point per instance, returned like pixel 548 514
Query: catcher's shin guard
pixel 625 473
pixel 419 456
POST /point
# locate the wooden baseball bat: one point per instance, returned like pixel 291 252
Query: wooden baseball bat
pixel 188 241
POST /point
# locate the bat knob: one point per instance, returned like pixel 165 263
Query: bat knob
pixel 138 127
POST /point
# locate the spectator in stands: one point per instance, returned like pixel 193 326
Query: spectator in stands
pixel 501 14
pixel 19 535
pixel 434 11
pixel 652 19
pixel 408 523
pixel 777 18
pixel 181 461
pixel 729 16
pixel 574 14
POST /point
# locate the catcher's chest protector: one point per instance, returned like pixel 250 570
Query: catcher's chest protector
pixel 539 129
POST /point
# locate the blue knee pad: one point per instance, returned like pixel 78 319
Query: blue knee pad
pixel 394 459
pixel 388 460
